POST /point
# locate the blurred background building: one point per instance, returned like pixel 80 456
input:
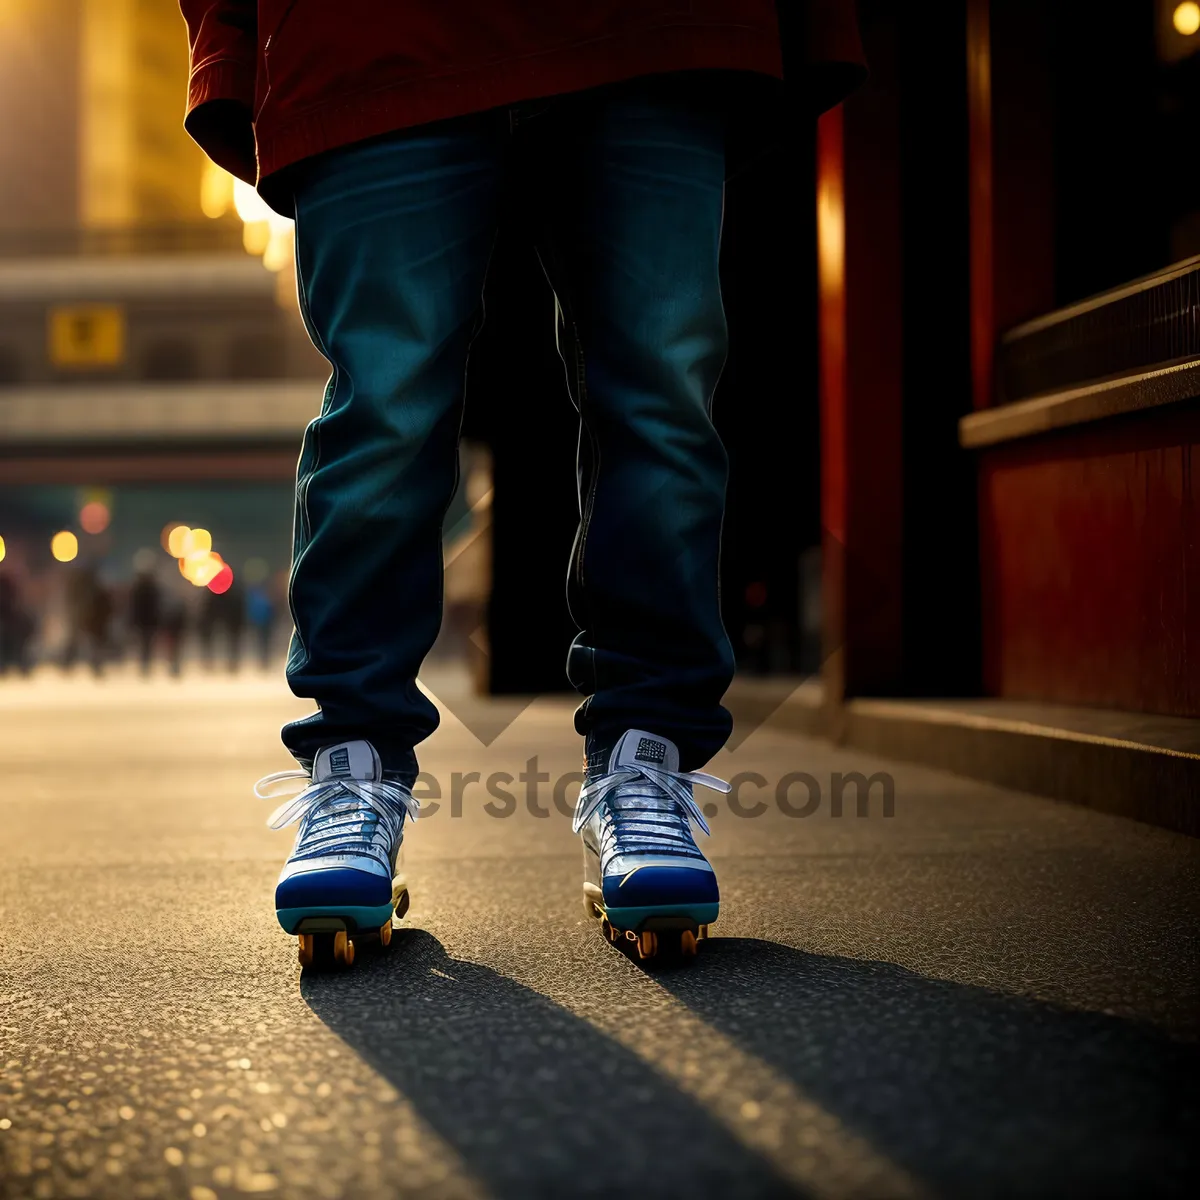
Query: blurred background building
pixel 960 402
pixel 153 367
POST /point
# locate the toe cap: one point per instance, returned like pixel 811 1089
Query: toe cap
pixel 336 886
pixel 648 886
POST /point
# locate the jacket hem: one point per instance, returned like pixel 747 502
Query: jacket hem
pixel 412 102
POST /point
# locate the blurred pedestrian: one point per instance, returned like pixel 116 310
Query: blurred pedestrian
pixel 206 628
pixel 89 612
pixel 262 605
pixel 145 616
pixel 17 628
pixel 223 614
pixel 173 622
pixel 260 612
pixel 234 620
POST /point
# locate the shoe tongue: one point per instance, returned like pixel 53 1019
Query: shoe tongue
pixel 347 760
pixel 639 748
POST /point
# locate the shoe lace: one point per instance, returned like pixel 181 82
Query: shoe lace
pixel 635 793
pixel 338 816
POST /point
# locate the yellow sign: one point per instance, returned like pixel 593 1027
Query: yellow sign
pixel 86 335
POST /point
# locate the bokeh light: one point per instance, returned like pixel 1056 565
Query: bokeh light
pixel 3 549
pixel 249 204
pixel 222 581
pixel 200 567
pixel 209 570
pixel 64 545
pixel 279 251
pixel 190 565
pixel 216 191
pixel 1186 18
pixel 256 237
pixel 172 538
pixel 195 541
pixel 264 231
pixel 144 560
pixel 94 517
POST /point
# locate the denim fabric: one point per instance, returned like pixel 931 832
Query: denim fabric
pixel 393 238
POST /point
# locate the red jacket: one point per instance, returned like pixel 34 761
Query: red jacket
pixel 280 80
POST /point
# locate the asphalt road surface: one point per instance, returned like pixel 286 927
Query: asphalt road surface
pixel 982 994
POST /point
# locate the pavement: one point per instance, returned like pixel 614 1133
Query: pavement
pixel 981 994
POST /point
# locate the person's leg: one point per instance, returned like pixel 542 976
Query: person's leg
pixel 393 239
pixel 631 248
pixel 392 244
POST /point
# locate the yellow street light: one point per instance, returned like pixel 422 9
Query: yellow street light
pixel 64 545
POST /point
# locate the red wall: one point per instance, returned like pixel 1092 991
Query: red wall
pixel 860 300
pixel 1091 565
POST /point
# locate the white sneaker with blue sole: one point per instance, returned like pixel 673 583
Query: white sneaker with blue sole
pixel 644 875
pixel 340 883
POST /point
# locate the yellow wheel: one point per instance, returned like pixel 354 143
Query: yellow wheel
pixel 385 933
pixel 702 934
pixel 343 949
pixel 647 944
pixel 687 944
pixel 306 949
pixel 611 935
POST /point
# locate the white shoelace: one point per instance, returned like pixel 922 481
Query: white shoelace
pixel 650 829
pixel 331 822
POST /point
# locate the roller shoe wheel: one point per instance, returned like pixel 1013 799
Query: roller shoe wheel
pixel 343 949
pixel 647 944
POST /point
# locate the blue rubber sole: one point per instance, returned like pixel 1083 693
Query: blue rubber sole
pixel 353 917
pixel 636 918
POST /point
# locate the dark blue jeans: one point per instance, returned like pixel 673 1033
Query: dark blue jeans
pixel 393 238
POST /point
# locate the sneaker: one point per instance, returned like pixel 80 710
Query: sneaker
pixel 341 876
pixel 644 875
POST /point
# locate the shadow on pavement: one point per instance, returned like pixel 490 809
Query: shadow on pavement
pixel 535 1101
pixel 974 1092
